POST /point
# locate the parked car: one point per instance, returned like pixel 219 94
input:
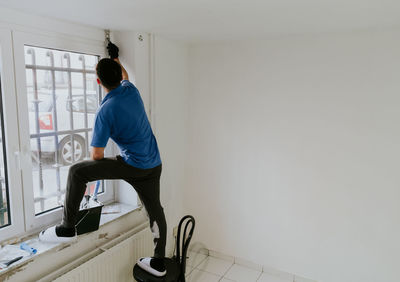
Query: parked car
pixel 47 123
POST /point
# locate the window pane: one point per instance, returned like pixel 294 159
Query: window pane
pixel 62 100
pixel 4 200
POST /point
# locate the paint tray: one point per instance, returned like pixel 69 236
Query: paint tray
pixel 88 219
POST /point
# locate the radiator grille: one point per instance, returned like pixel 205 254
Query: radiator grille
pixel 114 264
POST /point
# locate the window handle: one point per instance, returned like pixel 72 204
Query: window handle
pixel 17 156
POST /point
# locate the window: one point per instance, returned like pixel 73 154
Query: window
pixel 58 81
pixel 57 99
pixel 4 198
pixel 78 104
pixel 11 208
pixel 48 100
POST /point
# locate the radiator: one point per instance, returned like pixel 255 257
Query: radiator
pixel 114 264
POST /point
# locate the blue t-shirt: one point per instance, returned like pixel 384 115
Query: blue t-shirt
pixel 122 117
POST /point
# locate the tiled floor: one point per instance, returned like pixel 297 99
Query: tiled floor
pixel 202 268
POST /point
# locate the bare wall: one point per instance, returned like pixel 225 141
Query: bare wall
pixel 170 117
pixel 293 153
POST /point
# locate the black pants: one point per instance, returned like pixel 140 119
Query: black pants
pixel 145 181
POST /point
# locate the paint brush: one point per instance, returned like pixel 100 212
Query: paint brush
pixel 7 263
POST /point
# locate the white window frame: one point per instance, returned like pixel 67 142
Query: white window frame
pixel 20 39
pixel 11 137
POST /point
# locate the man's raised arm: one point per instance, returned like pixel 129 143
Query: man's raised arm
pixel 113 52
pixel 124 73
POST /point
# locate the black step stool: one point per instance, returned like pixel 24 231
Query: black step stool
pixel 177 264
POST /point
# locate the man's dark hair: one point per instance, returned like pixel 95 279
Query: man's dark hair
pixel 109 72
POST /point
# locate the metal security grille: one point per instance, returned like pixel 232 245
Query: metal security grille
pixel 63 97
pixel 5 218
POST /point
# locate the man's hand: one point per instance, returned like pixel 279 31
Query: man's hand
pixel 113 50
pixel 97 153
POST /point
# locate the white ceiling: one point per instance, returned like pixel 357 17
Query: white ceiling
pixel 213 19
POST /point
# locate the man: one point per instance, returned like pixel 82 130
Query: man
pixel 121 117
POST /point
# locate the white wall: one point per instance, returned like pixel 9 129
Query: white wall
pixel 293 156
pixel 170 117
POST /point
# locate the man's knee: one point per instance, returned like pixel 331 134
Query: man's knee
pixel 76 169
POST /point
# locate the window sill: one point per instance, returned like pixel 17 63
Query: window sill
pixel 112 223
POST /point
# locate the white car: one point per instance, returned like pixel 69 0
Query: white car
pixel 44 122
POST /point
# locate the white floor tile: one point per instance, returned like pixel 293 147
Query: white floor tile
pixel 266 277
pixel 248 264
pixel 241 273
pixel 216 266
pixel 226 280
pixel 279 273
pixel 221 256
pixel 194 259
pixel 202 276
pixel 188 270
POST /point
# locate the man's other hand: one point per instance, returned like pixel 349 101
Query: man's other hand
pixel 113 50
pixel 97 153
